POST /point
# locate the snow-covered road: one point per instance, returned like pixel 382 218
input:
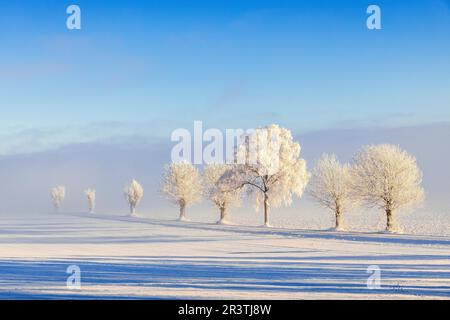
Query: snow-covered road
pixel 122 257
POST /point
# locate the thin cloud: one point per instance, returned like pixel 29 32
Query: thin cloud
pixel 33 70
pixel 38 139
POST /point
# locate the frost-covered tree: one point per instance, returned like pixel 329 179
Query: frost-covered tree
pixel 268 162
pixel 388 178
pixel 58 194
pixel 331 186
pixel 218 191
pixel 133 194
pixel 182 185
pixel 90 194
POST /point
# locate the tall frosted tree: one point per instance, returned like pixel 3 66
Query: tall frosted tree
pixel 58 194
pixel 388 178
pixel 268 164
pixel 133 194
pixel 331 186
pixel 218 191
pixel 90 195
pixel 182 185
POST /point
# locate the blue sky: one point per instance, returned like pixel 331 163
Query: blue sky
pixel 148 67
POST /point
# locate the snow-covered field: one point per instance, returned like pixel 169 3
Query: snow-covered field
pixel 122 257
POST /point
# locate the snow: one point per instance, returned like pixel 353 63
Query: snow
pixel 132 257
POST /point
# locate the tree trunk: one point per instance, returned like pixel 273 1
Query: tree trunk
pixel 338 219
pixel 266 210
pixel 390 225
pixel 223 214
pixel 182 211
pixel 132 209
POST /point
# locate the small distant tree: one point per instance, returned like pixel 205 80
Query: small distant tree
pixel 133 194
pixel 388 178
pixel 268 161
pixel 90 194
pixel 182 185
pixel 331 186
pixel 58 194
pixel 218 191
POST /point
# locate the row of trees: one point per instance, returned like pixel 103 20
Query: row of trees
pixel 58 194
pixel 268 167
pixel 381 176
